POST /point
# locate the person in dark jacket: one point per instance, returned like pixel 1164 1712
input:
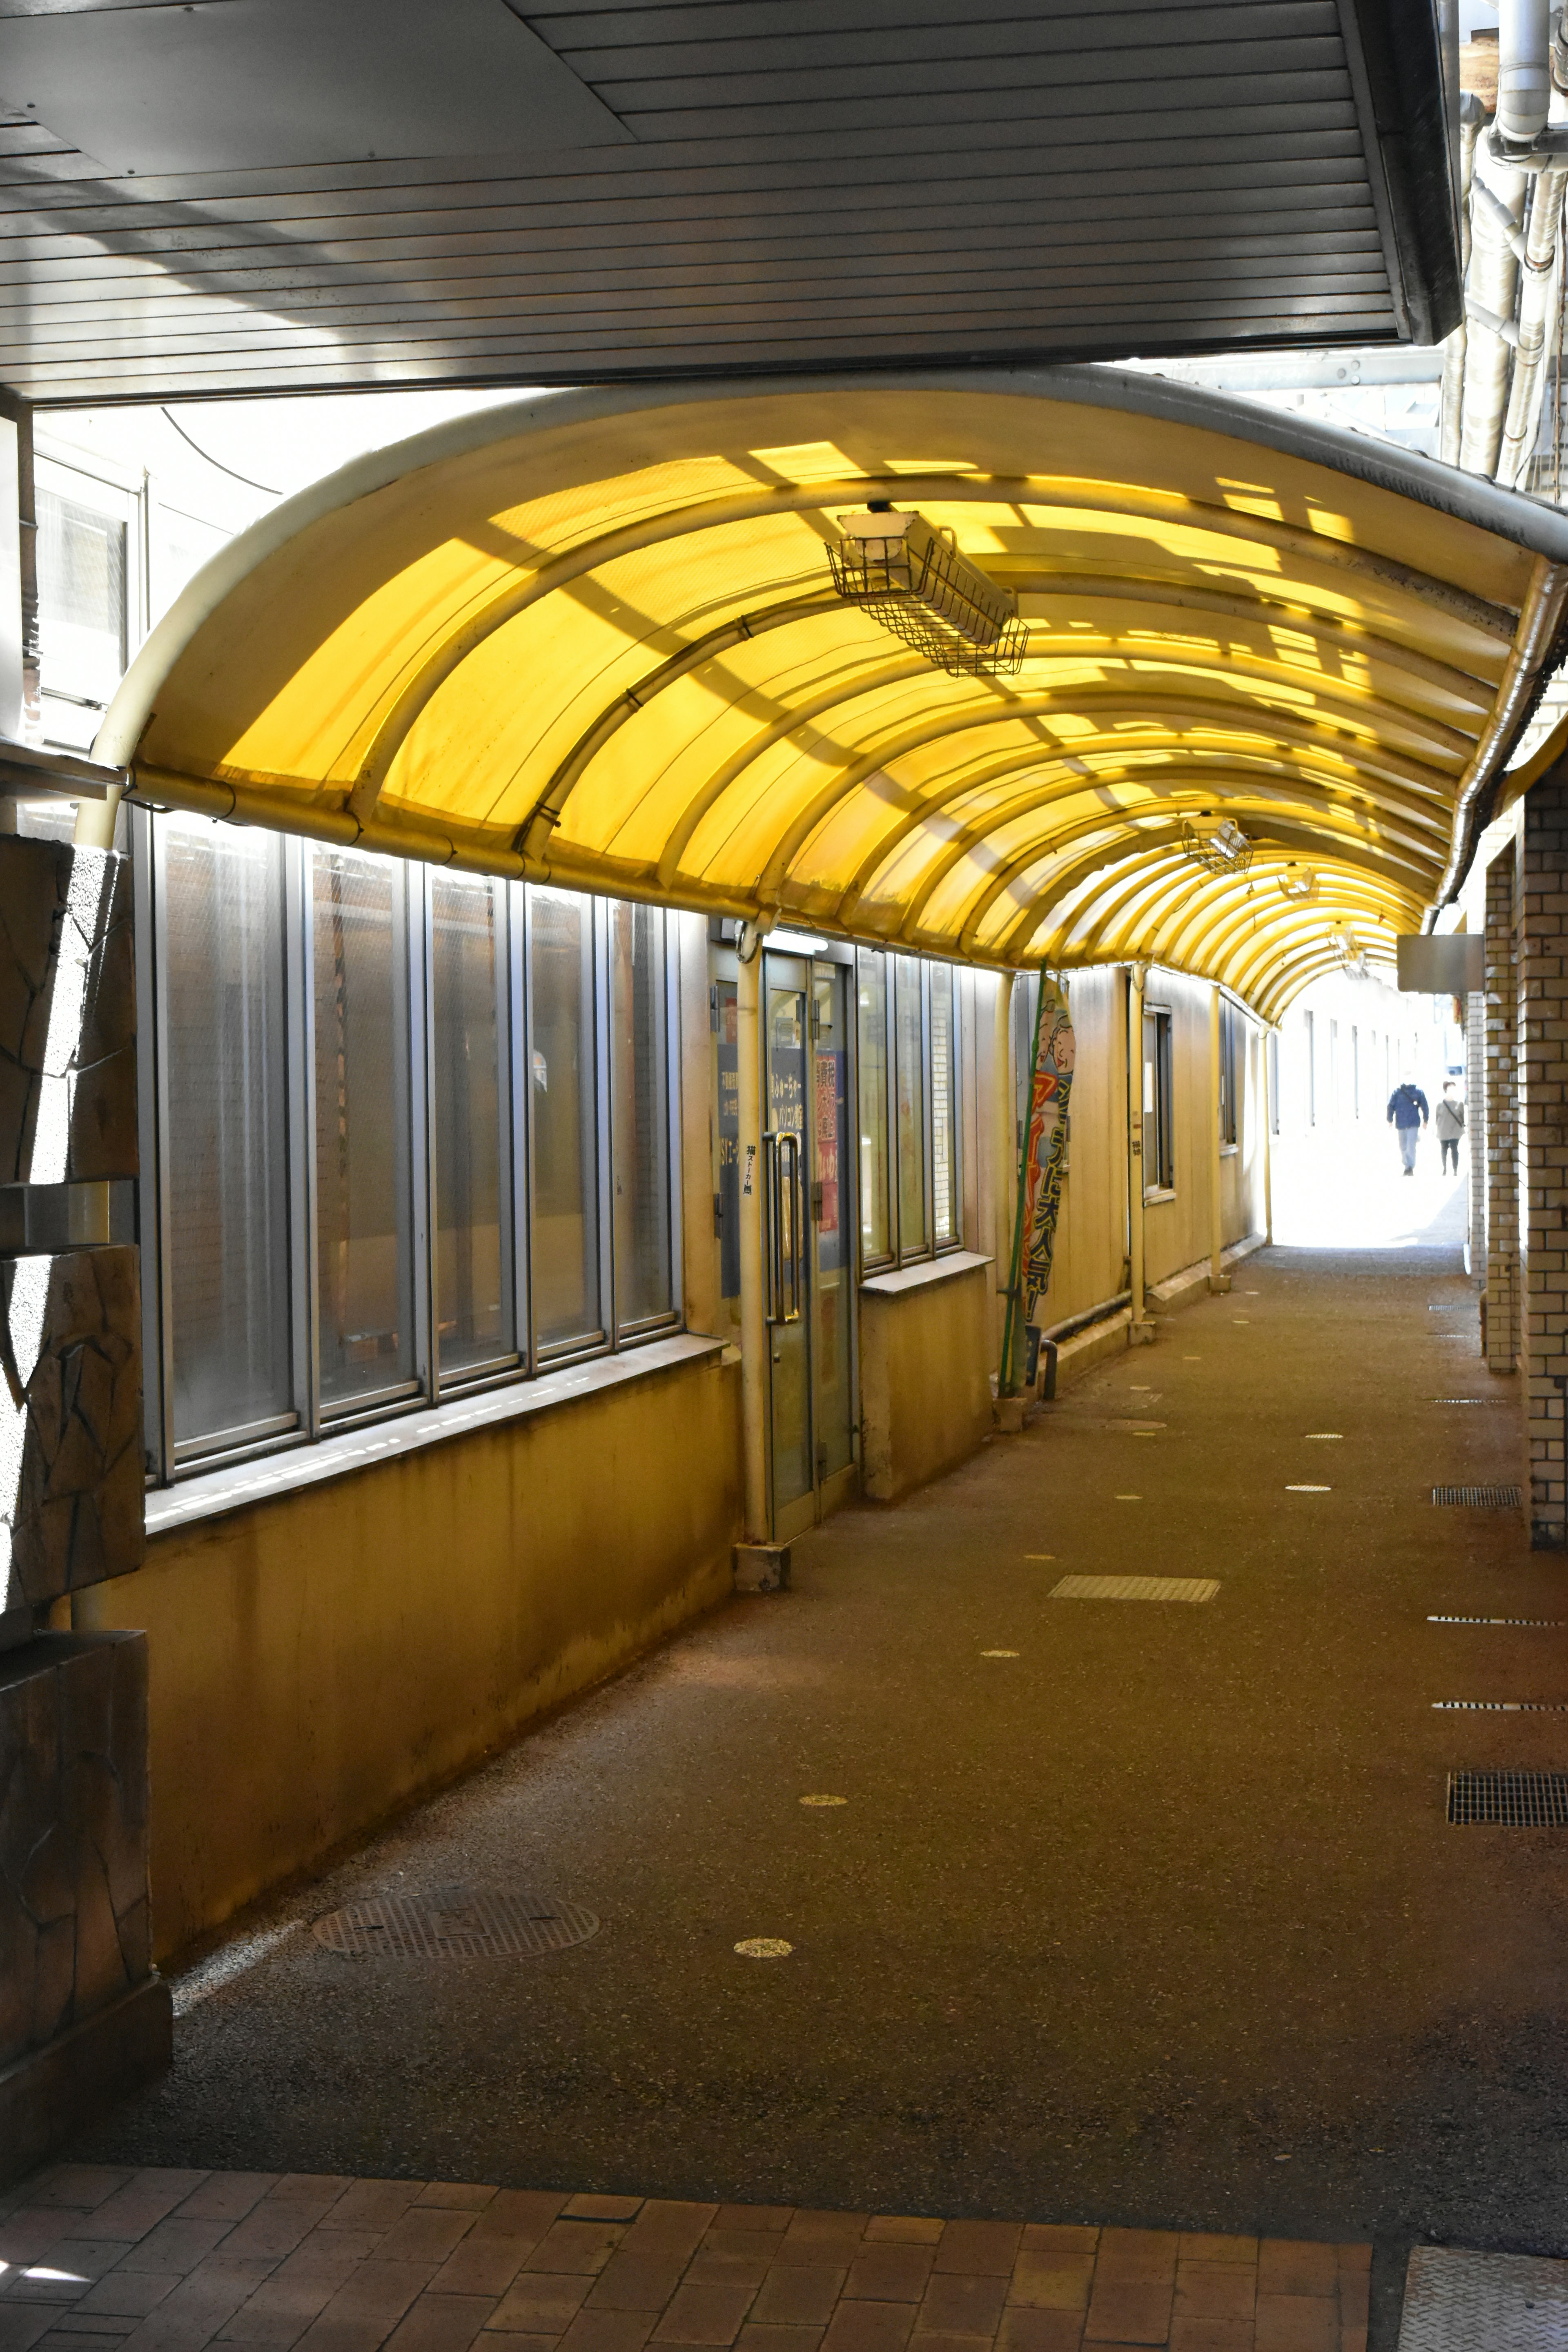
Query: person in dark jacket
pixel 1407 1115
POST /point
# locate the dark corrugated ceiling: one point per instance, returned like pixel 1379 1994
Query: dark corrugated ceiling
pixel 785 184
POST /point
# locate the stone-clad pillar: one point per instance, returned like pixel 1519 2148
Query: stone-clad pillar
pixel 83 2016
pixel 1502 1219
pixel 1542 903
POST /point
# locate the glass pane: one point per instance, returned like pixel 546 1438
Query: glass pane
pixel 727 1142
pixel 875 1239
pixel 473 1257
pixel 81 616
pixel 913 1237
pixel 834 1256
pixel 364 1193
pixel 943 1108
pixel 789 1351
pixel 229 1127
pixel 565 1259
pixel 640 1114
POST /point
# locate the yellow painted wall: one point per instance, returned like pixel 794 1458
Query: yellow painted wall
pixel 320 1659
pixel 925 1393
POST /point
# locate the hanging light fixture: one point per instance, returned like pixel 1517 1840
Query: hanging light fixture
pixel 1217 844
pixel 1299 883
pixel 912 578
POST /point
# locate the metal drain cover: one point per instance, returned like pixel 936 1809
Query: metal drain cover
pixel 455 1923
pixel 1458 2302
pixel 1135 1588
pixel 1479 1498
pixel 1509 1801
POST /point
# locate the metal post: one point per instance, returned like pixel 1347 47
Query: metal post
pixel 753 1324
pixel 1218 1279
pixel 1003 1145
pixel 1139 1329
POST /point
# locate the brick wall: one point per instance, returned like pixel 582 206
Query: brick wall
pixel 1476 1127
pixel 1501 1220
pixel 1541 935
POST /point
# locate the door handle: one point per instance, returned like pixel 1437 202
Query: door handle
pixel 781 1245
pixel 789 1147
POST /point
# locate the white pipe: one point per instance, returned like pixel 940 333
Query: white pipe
pixel 1540 296
pixel 1497 209
pixel 1524 71
pixel 1470 120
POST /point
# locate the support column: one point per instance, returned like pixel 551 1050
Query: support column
pixel 1218 1279
pixel 1139 1329
pixel 1542 930
pixel 1501 1119
pixel 753 1317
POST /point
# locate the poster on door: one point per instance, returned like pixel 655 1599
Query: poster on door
pixel 1045 1158
pixel 829 1086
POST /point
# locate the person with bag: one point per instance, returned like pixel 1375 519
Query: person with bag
pixel 1449 1124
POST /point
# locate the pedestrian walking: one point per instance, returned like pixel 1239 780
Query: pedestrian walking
pixel 1450 1123
pixel 1409 1113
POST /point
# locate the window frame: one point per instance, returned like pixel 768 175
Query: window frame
pixel 1162 1117
pixel 310 1421
pixel 1229 1122
pixel 925 1250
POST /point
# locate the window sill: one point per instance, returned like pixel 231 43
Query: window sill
pixel 1158 1192
pixel 234 1490
pixel 1230 1151
pixel 919 1277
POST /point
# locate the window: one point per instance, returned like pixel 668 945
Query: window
pixel 81 614
pixel 876 1222
pixel 911 1192
pixel 1271 1073
pixel 225 1199
pixel 1159 1104
pixel 378 1095
pixel 1229 1024
pixel 1356 1072
pixel 1311 1071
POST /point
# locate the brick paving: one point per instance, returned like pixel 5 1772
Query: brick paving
pixel 162 2260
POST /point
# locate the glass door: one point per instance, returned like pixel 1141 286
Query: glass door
pixel 832 1236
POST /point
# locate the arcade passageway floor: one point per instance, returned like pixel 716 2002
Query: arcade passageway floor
pixel 1144 1914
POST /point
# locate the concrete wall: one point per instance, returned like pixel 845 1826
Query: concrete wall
pixel 925 1391
pixel 320 1659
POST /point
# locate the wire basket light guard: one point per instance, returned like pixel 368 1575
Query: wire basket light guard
pixel 916 582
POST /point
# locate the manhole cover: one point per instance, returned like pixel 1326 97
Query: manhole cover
pixel 455 1923
pixel 1456 2302
pixel 1479 1498
pixel 1509 1801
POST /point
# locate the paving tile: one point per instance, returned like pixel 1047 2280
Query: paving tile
pixel 903 2229
pixel 28 2232
pixel 748 2244
pixel 705 2315
pixel 441 2323
pixel 84 2185
pixel 707 2269
pixel 344 2335
pixel 536 2306
pixel 374 2204
pixel 756 2337
pixel 813 2228
pixel 635 2283
pixel 322 2188
pixel 226 2196
pixel 167 2331
pixel 1215 2291
pixel 176 2245
pixel 1058 2238
pixel 608 2331
pixel 324 2246
pixel 379 2291
pixel 1298 2323
pixel 142 2203
pixel 587 2206
pixel 1145 2255
pixel 584 2246
pixel 1128 2311
pixel 497 2339
pixel 519 2213
pixel 1297 2266
pixel 889 2274
pixel 668 2227
pixel 462 2196
pixel 78 2259
pixel 753 2216
pixel 1052 2281
pixel 1354 2298
pixel 427 2233
pixel 95 2326
pixel 799 2294
pixel 960 2307
pixel 1199 2246
pixel 483 2266
pixel 21 2324
pixel 1211 2335
pixel 129 2295
pixel 869 2328
pixel 1354 2257
pixel 979 2249
pixel 936 2341
pixel 274 2227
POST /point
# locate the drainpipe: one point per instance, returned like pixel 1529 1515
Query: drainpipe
pixel 1140 1329
pixel 1540 302
pixel 1491 284
pixel 1218 1279
pixel 1005 1156
pixel 754 1315
pixel 1524 69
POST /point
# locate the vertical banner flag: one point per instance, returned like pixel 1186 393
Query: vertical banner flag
pixel 1040 1174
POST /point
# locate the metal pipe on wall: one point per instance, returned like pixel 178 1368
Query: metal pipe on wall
pixel 1541 295
pixel 1491 284
pixel 754 1315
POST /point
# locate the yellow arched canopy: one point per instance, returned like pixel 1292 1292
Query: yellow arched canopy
pixel 591 637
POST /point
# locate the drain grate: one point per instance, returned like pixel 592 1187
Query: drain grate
pixel 1479 1498
pixel 455 1923
pixel 1498 1707
pixel 1455 2301
pixel 1497 1620
pixel 1471 1400
pixel 1509 1801
pixel 1135 1588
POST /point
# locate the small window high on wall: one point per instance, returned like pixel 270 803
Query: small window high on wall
pixel 911 1190
pixel 1159 1102
pixel 384 1103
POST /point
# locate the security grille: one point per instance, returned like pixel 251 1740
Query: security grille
pixel 1479 1498
pixel 1497 1620
pixel 1498 1707
pixel 454 1923
pixel 1509 1801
